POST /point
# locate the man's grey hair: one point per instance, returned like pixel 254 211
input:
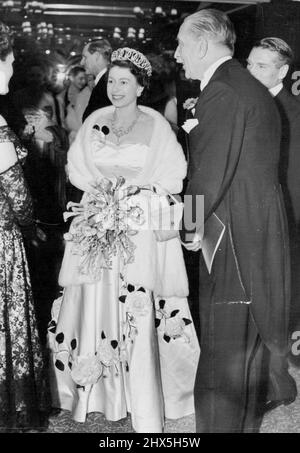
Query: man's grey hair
pixel 102 46
pixel 214 24
pixel 283 50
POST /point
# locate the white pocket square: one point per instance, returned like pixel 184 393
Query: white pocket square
pixel 188 125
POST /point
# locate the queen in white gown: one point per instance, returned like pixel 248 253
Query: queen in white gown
pixel 124 342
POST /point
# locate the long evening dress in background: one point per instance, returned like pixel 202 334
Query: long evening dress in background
pixel 21 362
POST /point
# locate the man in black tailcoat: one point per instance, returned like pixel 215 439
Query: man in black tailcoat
pixel 269 62
pixel 244 300
pixel 95 59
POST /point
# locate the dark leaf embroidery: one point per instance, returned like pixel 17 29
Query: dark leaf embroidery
pixel 130 288
pixel 174 313
pixel 60 337
pixel 142 289
pixel 114 344
pixel 59 365
pixel 73 344
pixel 187 321
pixel 122 299
pixel 103 335
pixel 157 322
pixel 167 338
pixel 162 303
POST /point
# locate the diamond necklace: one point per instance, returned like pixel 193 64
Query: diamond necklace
pixel 120 131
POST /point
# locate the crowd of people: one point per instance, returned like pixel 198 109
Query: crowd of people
pixel 103 314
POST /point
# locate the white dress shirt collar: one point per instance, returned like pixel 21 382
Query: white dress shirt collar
pixel 276 90
pixel 101 73
pixel 211 70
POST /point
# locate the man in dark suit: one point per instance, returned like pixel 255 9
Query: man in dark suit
pixel 95 59
pixel 269 62
pixel 244 299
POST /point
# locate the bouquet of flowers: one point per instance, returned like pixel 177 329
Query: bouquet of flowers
pixel 103 225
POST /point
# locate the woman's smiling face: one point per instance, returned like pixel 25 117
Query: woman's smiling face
pixel 122 87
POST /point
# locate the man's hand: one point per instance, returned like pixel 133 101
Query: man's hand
pixel 41 234
pixel 195 245
pixel 192 246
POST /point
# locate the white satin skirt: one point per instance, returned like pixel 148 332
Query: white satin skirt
pixel 118 349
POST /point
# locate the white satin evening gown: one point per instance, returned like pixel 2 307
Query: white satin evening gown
pixel 147 345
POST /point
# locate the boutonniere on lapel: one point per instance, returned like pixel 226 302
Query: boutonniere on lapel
pixel 190 104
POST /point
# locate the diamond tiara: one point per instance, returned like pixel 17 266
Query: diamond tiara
pixel 136 57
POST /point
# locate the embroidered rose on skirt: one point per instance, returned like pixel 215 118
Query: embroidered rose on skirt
pixel 138 303
pixel 174 327
pixel 86 370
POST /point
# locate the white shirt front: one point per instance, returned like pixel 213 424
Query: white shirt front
pixel 101 73
pixel 211 70
pixel 276 90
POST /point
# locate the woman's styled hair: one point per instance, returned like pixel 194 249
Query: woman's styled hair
pixel 139 73
pixel 214 24
pixel 5 41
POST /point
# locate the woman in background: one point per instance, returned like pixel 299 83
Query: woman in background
pixel 21 362
pixel 73 119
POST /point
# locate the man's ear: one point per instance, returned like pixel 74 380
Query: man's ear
pixel 98 54
pixel 283 71
pixel 201 47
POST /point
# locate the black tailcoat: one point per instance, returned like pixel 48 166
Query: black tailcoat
pixel 244 302
pixel 98 97
pixel 289 109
